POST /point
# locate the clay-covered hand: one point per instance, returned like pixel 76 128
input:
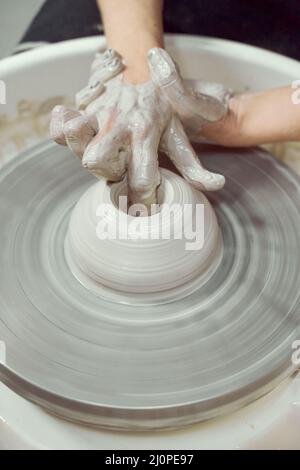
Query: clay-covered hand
pixel 104 67
pixel 119 128
pixel 196 102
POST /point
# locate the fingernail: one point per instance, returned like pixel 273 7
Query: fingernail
pixel 88 163
pixel 215 183
pixel 154 55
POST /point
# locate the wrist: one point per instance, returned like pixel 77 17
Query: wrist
pixel 134 55
pixel 136 71
pixel 230 130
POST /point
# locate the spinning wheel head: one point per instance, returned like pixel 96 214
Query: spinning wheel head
pixel 133 365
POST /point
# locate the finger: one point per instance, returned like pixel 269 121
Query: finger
pixel 177 146
pixel 59 117
pixel 107 155
pixel 88 94
pixel 143 173
pixel 105 67
pixel 215 90
pixel 79 132
pixel 165 74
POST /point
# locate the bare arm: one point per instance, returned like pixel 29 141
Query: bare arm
pixel 132 27
pixel 258 118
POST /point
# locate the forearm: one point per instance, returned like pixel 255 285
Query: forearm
pixel 271 116
pixel 258 118
pixel 132 27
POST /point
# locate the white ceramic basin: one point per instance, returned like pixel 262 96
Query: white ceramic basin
pixel 35 81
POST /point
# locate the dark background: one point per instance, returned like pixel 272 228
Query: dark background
pixel 272 24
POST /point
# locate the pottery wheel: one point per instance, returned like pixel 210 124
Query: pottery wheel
pixel 148 367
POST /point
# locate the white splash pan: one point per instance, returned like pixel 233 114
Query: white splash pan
pixel 51 71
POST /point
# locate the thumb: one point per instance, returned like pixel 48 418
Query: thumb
pixel 187 104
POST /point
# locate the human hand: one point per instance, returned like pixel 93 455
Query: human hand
pixel 120 127
pixel 195 101
pixel 211 113
pixel 259 118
